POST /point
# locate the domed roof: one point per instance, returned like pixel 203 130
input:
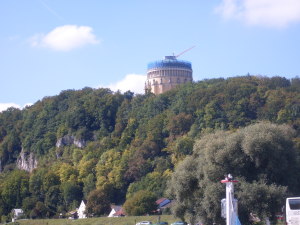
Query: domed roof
pixel 169 61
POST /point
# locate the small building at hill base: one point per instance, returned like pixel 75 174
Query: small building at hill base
pixel 81 210
pixel 16 214
pixel 116 211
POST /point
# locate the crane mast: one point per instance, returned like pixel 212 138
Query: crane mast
pixel 181 53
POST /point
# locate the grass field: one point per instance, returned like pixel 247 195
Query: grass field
pixel 130 220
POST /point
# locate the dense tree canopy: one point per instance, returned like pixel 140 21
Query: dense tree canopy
pixel 260 156
pixel 92 138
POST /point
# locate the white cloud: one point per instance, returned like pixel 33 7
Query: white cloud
pixel 5 106
pixel 271 13
pixel 132 82
pixel 65 38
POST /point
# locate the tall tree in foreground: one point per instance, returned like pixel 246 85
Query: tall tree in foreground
pixel 260 156
pixel 98 202
pixel 141 203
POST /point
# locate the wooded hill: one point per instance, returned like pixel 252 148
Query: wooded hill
pixel 123 143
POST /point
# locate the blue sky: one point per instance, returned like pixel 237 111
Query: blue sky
pixel 47 46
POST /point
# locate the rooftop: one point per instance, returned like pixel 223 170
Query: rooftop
pixel 169 61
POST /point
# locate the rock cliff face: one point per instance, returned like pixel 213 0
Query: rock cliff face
pixel 26 161
pixel 70 140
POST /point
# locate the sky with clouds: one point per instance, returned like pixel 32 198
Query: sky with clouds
pixel 47 46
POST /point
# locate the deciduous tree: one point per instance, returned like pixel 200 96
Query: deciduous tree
pixel 141 203
pixel 98 203
pixel 253 154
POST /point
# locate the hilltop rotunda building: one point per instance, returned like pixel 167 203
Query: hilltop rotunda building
pixel 163 75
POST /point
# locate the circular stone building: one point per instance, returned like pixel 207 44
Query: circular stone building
pixel 163 75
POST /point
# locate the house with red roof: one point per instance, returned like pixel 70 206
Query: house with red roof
pixel 116 211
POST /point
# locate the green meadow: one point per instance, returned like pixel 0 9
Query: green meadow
pixel 130 220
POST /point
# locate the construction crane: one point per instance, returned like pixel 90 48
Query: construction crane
pixel 185 51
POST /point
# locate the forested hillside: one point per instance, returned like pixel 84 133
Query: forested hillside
pixel 95 139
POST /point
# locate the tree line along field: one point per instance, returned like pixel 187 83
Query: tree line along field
pixel 118 148
pixel 130 220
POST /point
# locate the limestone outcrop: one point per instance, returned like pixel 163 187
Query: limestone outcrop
pixel 27 161
pixel 69 140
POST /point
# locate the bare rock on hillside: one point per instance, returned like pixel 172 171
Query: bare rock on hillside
pixel 27 161
pixel 70 140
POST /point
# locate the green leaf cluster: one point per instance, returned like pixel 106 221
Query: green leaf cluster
pixel 262 157
pixel 85 140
